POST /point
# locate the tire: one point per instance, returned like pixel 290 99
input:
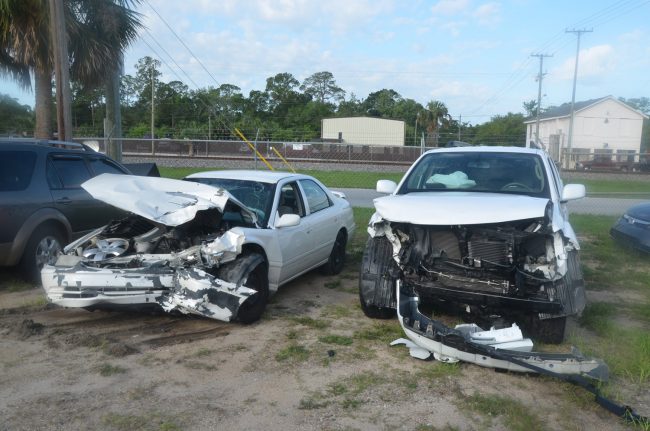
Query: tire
pixel 250 269
pixel 336 261
pixel 375 312
pixel 375 281
pixel 43 247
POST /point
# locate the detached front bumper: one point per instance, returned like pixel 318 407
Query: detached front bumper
pixel 188 291
pixel 451 345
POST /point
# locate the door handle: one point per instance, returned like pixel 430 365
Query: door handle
pixel 64 201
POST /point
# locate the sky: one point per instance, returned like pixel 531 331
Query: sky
pixel 473 55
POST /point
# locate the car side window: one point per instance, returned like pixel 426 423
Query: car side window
pixel 16 169
pixel 67 172
pixel 290 200
pixel 317 199
pixel 103 166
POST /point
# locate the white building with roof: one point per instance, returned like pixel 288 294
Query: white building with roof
pixel 601 126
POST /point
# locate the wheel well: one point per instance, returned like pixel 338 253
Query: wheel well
pixel 55 224
pixel 255 248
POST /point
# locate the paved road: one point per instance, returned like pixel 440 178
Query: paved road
pixel 589 205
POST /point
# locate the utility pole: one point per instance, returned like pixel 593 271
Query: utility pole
pixel 575 79
pixel 460 124
pixel 152 111
pixel 61 70
pixel 540 77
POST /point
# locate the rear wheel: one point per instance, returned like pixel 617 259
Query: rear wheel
pixel 251 271
pixel 43 247
pixel 336 260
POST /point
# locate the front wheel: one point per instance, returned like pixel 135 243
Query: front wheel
pixel 377 279
pixel 251 271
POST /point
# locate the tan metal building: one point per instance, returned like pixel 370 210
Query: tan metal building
pixel 363 131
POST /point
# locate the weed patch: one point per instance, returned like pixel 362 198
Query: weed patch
pixel 514 414
pixel 107 369
pixel 339 340
pixel 293 353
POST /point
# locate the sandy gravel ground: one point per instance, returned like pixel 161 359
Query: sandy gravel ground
pixel 313 362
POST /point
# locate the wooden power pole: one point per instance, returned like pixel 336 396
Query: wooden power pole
pixel 61 70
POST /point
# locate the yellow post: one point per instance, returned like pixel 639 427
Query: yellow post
pixel 241 135
pixel 283 159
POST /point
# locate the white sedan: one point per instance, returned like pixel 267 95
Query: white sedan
pixel 217 244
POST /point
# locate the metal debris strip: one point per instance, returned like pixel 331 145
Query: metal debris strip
pixel 503 349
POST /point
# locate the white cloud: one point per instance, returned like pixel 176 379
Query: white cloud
pixel 453 27
pixel 594 62
pixel 488 14
pixel 450 7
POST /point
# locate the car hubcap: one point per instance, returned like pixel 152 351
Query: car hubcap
pixel 47 251
pixel 106 248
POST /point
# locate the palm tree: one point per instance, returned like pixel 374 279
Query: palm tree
pixel 435 115
pixel 98 32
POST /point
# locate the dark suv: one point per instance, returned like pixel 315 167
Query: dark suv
pixel 42 205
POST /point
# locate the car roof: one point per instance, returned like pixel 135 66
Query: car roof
pixel 250 175
pixel 46 144
pixel 488 149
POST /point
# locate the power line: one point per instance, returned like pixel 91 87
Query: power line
pixel 182 42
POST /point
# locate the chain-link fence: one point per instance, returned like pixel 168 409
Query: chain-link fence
pixel 347 167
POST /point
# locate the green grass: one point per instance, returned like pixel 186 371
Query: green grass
pixel 641 186
pixel 368 180
pixel 621 320
pixel 293 353
pixel 310 322
pixel 340 340
pixel 597 317
pixel 380 332
pixel 107 369
pixel 515 415
pixel 332 179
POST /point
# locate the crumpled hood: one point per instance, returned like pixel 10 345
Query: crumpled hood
pixel 161 200
pixel 459 208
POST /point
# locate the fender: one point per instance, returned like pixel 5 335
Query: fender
pixel 39 217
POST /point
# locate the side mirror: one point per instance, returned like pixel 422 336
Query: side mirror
pixel 287 220
pixel 572 192
pixel 386 186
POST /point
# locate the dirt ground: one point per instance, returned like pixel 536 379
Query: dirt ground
pixel 313 362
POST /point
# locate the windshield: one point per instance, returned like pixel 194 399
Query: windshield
pixel 479 172
pixel 255 195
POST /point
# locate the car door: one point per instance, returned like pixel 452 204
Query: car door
pixel 293 241
pixel 323 220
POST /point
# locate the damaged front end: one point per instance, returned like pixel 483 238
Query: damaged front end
pixel 519 268
pixel 139 262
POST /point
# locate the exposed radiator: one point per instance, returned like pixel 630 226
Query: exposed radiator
pixel 491 251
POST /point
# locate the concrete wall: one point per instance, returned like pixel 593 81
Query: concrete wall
pixel 364 130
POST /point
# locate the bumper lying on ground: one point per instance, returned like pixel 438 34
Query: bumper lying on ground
pixel 452 345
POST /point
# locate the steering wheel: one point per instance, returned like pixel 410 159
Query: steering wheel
pixel 516 186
